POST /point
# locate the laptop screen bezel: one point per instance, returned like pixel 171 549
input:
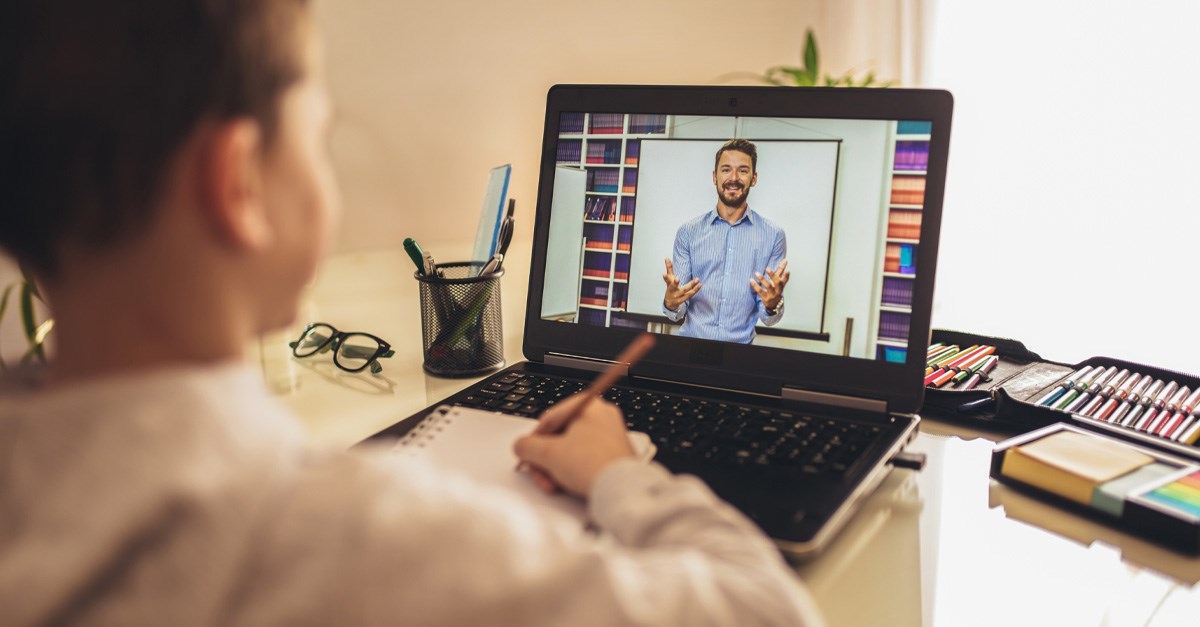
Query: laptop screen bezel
pixel 757 369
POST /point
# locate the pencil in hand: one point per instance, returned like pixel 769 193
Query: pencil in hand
pixel 557 422
pixel 633 353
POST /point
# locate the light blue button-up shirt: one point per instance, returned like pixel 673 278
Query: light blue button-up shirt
pixel 725 257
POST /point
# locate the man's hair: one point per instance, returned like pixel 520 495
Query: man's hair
pixel 740 145
pixel 99 95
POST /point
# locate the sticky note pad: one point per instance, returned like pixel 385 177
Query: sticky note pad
pixel 1071 464
pixel 1181 495
pixel 1110 497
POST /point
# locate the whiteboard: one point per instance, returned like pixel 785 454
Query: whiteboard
pixel 795 190
pixel 564 251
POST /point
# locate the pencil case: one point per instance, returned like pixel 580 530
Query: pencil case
pixel 1139 403
pixel 1139 489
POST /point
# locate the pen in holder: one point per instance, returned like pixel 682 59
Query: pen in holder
pixel 460 320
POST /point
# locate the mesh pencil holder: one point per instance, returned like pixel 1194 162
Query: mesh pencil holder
pixel 460 320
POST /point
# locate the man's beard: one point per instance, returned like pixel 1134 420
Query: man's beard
pixel 734 201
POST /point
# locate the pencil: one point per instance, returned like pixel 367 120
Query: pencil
pixel 631 355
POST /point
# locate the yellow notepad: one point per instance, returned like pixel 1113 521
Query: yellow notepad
pixel 1071 464
pixel 479 444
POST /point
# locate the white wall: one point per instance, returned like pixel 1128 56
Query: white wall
pixel 1072 211
pixel 432 95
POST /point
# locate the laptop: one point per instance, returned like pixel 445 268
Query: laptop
pixel 792 415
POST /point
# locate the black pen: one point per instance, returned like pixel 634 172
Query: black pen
pixel 492 265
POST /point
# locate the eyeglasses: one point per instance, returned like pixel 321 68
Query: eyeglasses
pixel 352 352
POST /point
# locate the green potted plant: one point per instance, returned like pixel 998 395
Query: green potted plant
pixel 24 292
pixel 808 74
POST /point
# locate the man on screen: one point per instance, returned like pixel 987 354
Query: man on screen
pixel 717 253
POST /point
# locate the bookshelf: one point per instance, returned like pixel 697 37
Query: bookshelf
pixel 902 242
pixel 606 146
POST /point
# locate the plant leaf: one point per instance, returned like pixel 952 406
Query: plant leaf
pixel 800 78
pixel 27 274
pixel 810 55
pixel 3 308
pixel 28 323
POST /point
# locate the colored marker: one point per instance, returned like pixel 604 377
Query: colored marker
pixel 1131 400
pixel 1092 405
pixel 1118 397
pixel 929 363
pixel 1092 390
pixel 1190 407
pixel 970 370
pixel 1192 404
pixel 1115 383
pixel 1105 393
pixel 1062 388
pixel 1136 417
pixel 933 348
pixel 1080 387
pixel 1192 435
pixel 1172 410
pixel 1150 419
pixel 1184 425
pixel 945 351
pixel 979 374
pixel 943 363
pixel 953 368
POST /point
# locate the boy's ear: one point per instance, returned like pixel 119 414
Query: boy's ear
pixel 231 185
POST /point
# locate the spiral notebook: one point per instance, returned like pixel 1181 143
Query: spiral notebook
pixel 479 444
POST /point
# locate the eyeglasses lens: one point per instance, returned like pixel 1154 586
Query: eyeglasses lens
pixel 356 351
pixel 313 340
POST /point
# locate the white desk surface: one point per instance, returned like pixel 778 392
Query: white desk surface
pixel 944 546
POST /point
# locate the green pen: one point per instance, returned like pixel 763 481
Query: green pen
pixel 415 253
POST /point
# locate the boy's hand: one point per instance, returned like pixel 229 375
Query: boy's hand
pixel 570 459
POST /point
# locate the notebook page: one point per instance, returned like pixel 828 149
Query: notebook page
pixel 479 444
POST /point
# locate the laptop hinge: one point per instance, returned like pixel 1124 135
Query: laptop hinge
pixel 835 400
pixel 584 363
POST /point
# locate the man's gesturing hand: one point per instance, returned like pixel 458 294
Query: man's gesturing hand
pixel 676 293
pixel 770 287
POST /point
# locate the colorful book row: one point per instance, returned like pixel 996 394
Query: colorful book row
pixel 607 123
pixel 633 148
pixel 604 180
pixel 629 184
pixel 904 224
pixel 599 208
pixel 893 326
pixel 900 258
pixel 911 155
pixel 908 190
pixel 897 292
pixel 642 123
pixel 569 150
pixel 570 123
pixel 602 152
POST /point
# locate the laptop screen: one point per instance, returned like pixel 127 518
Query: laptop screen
pixel 671 209
pixel 795 233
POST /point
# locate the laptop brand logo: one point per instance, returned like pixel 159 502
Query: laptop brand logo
pixel 707 354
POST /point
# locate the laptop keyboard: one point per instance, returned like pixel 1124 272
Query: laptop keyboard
pixel 700 431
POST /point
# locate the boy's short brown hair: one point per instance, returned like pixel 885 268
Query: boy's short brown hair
pixel 99 95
